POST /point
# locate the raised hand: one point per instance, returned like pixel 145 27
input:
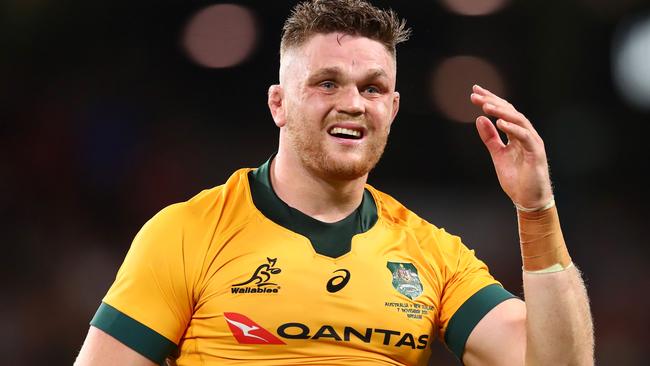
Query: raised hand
pixel 521 164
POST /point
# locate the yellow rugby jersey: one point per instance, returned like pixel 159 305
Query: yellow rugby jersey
pixel 235 276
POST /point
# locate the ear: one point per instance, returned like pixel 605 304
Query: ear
pixel 395 107
pixel 276 104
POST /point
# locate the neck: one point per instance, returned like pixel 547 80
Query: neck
pixel 323 199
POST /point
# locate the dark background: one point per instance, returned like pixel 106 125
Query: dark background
pixel 104 120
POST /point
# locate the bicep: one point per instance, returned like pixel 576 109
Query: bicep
pixel 499 338
pixel 100 349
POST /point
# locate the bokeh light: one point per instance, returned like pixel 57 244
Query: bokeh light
pixel 112 111
pixel 631 62
pixel 474 7
pixel 221 35
pixel 452 82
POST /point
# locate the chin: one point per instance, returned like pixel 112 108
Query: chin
pixel 341 168
pixel 346 172
pixel 334 163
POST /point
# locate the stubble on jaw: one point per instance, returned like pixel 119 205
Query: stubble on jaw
pixel 312 152
pixel 307 138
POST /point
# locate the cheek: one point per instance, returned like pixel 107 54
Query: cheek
pixel 319 112
pixel 381 113
pixel 315 104
pixel 319 102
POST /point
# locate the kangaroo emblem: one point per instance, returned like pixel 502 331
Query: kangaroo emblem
pixel 263 273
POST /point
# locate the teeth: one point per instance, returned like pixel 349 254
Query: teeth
pixel 345 131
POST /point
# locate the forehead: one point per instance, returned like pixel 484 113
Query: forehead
pixel 349 53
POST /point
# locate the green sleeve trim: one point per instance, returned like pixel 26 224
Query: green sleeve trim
pixel 132 333
pixel 470 313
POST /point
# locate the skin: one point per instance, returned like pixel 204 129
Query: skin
pixel 521 164
pixel 332 80
pixel 100 349
pixel 348 81
pixel 554 325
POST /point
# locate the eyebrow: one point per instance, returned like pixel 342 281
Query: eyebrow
pixel 326 72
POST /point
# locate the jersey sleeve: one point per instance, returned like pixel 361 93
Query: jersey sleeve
pixel 468 294
pixel 149 305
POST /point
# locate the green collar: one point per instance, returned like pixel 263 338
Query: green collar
pixel 332 240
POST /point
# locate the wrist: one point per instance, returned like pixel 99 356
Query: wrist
pixel 543 249
pixel 552 269
pixel 550 203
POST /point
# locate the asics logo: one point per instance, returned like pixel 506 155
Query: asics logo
pixel 337 283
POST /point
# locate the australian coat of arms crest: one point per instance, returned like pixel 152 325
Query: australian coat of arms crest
pixel 405 279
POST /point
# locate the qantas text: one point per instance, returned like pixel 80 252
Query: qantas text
pixel 386 336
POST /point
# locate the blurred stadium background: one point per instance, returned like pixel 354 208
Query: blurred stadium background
pixel 111 110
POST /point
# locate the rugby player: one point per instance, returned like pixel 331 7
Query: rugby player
pixel 300 261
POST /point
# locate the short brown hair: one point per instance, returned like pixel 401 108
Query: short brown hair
pixel 354 17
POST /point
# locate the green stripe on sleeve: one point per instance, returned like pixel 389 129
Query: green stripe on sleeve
pixel 470 313
pixel 132 333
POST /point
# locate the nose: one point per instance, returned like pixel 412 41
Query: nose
pixel 351 101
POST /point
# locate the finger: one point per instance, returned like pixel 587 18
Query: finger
pixel 498 108
pixel 517 133
pixel 484 92
pixel 480 100
pixel 477 99
pixel 489 135
pixel 509 114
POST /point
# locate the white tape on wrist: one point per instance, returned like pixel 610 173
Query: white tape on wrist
pixel 550 204
pixel 552 269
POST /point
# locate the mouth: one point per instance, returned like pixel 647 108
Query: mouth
pixel 346 133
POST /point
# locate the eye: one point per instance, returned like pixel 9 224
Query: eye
pixel 327 85
pixel 372 90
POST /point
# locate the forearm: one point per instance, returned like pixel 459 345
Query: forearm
pixel 559 329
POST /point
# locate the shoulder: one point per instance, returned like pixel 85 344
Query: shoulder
pixel 226 201
pixel 444 247
pixel 394 213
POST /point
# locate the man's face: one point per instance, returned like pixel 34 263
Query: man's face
pixel 338 102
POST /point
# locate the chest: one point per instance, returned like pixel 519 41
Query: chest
pixel 268 289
